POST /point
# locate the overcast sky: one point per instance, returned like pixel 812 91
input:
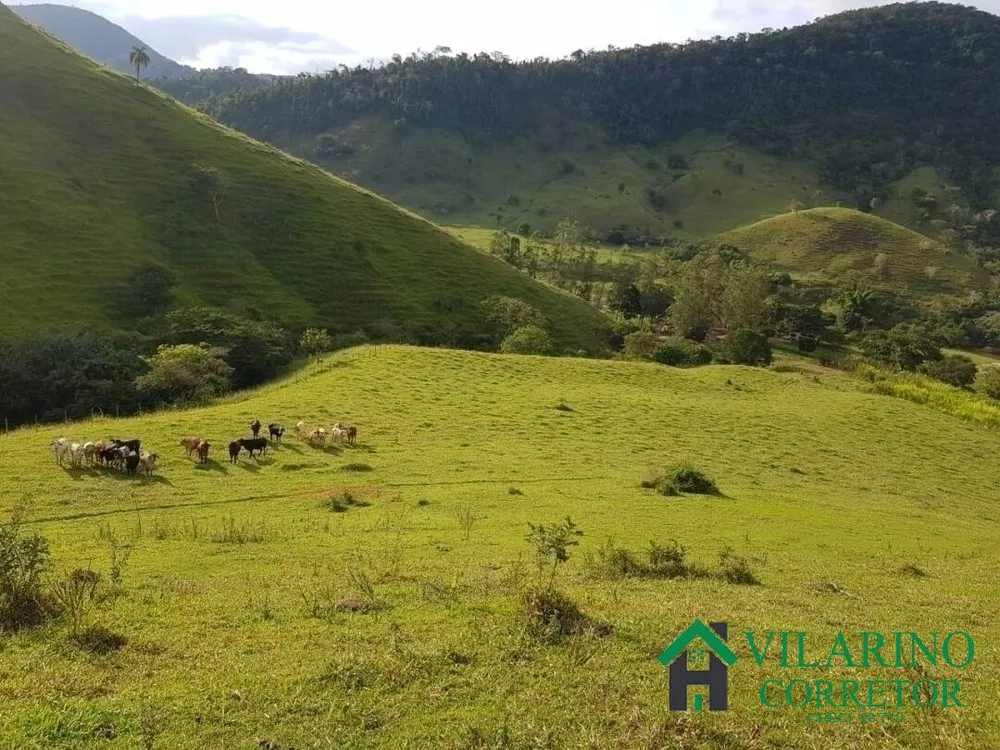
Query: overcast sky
pixel 294 35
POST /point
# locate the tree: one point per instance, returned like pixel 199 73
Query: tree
pixel 213 183
pixel 746 347
pixel 958 371
pixel 628 301
pixel 552 543
pixel 139 58
pixel 507 314
pixel 185 372
pixel 697 295
pixel 640 345
pixel 527 340
pixel 256 350
pixel 904 346
pixel 988 381
pixel 147 292
pixel 746 298
pixel 315 341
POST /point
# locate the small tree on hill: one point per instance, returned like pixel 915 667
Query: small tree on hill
pixel 988 382
pixel 139 58
pixel 212 183
pixel 527 340
pixel 315 341
pixel 147 292
pixel 185 372
pixel 746 347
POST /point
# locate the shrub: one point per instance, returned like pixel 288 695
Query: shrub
pixel 97 639
pixel 662 561
pixel 547 614
pixel 807 344
pixel 958 371
pixel 988 382
pixel 735 569
pixel 746 347
pixel 528 339
pixel 344 502
pixel 359 467
pixel 147 291
pixel 640 345
pixel 677 161
pixel 23 560
pixel 903 346
pixel 667 561
pixel 680 352
pixel 678 480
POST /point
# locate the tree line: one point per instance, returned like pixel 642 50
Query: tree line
pixel 869 94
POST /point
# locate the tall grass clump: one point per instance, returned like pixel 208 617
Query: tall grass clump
pixel 679 480
pixel 921 389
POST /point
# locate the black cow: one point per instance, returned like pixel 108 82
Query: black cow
pixel 255 444
pixel 234 451
pixel 255 426
pixel 275 431
pixel 132 445
pixel 131 463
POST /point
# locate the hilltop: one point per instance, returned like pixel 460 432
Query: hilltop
pixel 685 140
pixel 230 592
pixel 839 245
pixel 101 176
pixel 99 38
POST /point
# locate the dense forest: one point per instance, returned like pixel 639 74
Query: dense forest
pixel 869 94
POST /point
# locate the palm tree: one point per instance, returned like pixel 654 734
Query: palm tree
pixel 139 58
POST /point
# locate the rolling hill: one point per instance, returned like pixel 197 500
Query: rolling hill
pixel 228 602
pixel 99 176
pixel 839 245
pixel 98 38
pixel 684 140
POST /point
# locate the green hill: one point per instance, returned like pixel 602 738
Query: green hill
pixel 98 38
pixel 843 245
pixel 701 137
pixel 99 176
pixel 857 512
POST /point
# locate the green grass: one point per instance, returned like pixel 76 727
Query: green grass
pixel 96 179
pixel 841 245
pixel 234 638
pixel 456 181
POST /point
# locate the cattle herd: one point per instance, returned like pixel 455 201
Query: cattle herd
pixel 126 455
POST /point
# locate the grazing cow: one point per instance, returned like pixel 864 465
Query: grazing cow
pixel 352 433
pixel 318 436
pixel 190 444
pixel 301 429
pixel 148 462
pixel 90 453
pixel 202 449
pixel 108 455
pixel 234 451
pixel 132 445
pixel 122 454
pixel 75 454
pixel 255 427
pixel 255 444
pixel 338 433
pixel 275 431
pixel 61 448
pixel 131 463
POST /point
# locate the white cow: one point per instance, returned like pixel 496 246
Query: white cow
pixel 90 453
pixel 338 433
pixel 318 436
pixel 301 429
pixel 75 454
pixel 61 448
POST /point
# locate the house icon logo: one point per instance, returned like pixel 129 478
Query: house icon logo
pixel 686 652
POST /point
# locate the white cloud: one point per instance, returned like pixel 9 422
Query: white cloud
pixel 281 37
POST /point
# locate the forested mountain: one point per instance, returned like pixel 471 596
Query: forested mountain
pixel 98 38
pixel 865 96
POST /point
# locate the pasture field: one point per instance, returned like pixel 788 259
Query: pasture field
pixel 829 490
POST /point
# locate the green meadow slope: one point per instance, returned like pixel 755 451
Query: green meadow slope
pixel 858 512
pixel 841 245
pixel 98 177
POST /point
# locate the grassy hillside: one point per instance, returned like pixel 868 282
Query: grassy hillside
pixel 234 570
pixel 98 38
pixel 839 245
pixel 98 177
pixel 572 172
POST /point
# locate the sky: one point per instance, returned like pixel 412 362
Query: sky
pixel 291 36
